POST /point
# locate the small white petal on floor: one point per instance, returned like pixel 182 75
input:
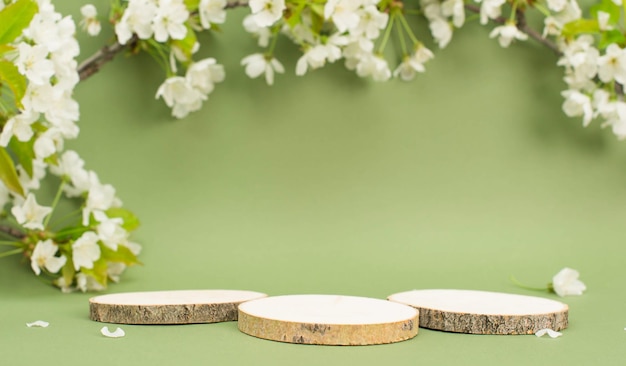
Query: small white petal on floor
pixel 116 334
pixel 549 332
pixel 38 323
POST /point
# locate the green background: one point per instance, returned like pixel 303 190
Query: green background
pixel 332 184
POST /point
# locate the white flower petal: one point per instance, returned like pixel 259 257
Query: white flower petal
pixel 116 334
pixel 549 332
pixel 38 323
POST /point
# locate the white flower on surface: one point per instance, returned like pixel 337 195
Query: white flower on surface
pixel 267 12
pixel 263 34
pixel 85 250
pixel 343 13
pixel 258 64
pixel 566 283
pixel 90 22
pixel 19 126
pixel 549 332
pixel 30 214
pixel 577 104
pixel 33 62
pixel 44 256
pixel 612 65
pixel 507 33
pixel 212 11
pixel 204 74
pixel 169 21
pixel 116 334
pixel 38 323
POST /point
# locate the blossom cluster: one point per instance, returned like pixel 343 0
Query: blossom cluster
pixel 40 70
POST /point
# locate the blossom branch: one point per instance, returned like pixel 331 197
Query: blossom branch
pixel 521 25
pixel 11 231
pixel 93 64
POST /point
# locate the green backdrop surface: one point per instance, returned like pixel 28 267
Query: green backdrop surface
pixel 332 184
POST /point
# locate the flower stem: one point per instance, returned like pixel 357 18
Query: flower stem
pixel 405 52
pixel 383 44
pixel 11 252
pixel 55 202
pixel 11 243
pixel 519 284
pixel 408 29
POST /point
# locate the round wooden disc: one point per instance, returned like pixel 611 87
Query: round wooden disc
pixel 482 312
pixel 328 319
pixel 169 307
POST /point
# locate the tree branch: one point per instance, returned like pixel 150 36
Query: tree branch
pixel 11 231
pixel 94 63
pixel 523 26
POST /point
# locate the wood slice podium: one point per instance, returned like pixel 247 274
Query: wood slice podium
pixel 328 320
pixel 482 312
pixel 169 307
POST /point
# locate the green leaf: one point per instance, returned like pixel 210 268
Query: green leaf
pixel 607 6
pixel 294 16
pixel 318 9
pixel 10 76
pixel 68 272
pixel 4 48
pixel 612 36
pixel 70 233
pixel 122 254
pixel 98 272
pixel 14 18
pixel 131 222
pixel 24 153
pixel 580 26
pixel 192 5
pixel 8 174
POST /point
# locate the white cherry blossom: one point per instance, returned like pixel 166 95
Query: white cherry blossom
pixel 30 214
pixel 212 11
pixel 44 257
pixel 612 65
pixel 33 62
pixel 169 20
pixel 87 283
pixel 90 22
pixel 343 13
pixel 263 34
pixel 441 31
pixel 507 33
pixel 267 12
pixel 19 126
pixel 374 66
pixel 85 250
pixel 204 74
pixel 180 95
pixel 454 9
pixel 371 22
pixel 258 64
pixel 578 104
pixel 566 283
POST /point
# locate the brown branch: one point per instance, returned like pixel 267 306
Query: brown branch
pixel 523 26
pixel 11 231
pixel 93 64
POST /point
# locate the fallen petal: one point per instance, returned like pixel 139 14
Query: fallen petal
pixel 38 323
pixel 116 334
pixel 549 332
